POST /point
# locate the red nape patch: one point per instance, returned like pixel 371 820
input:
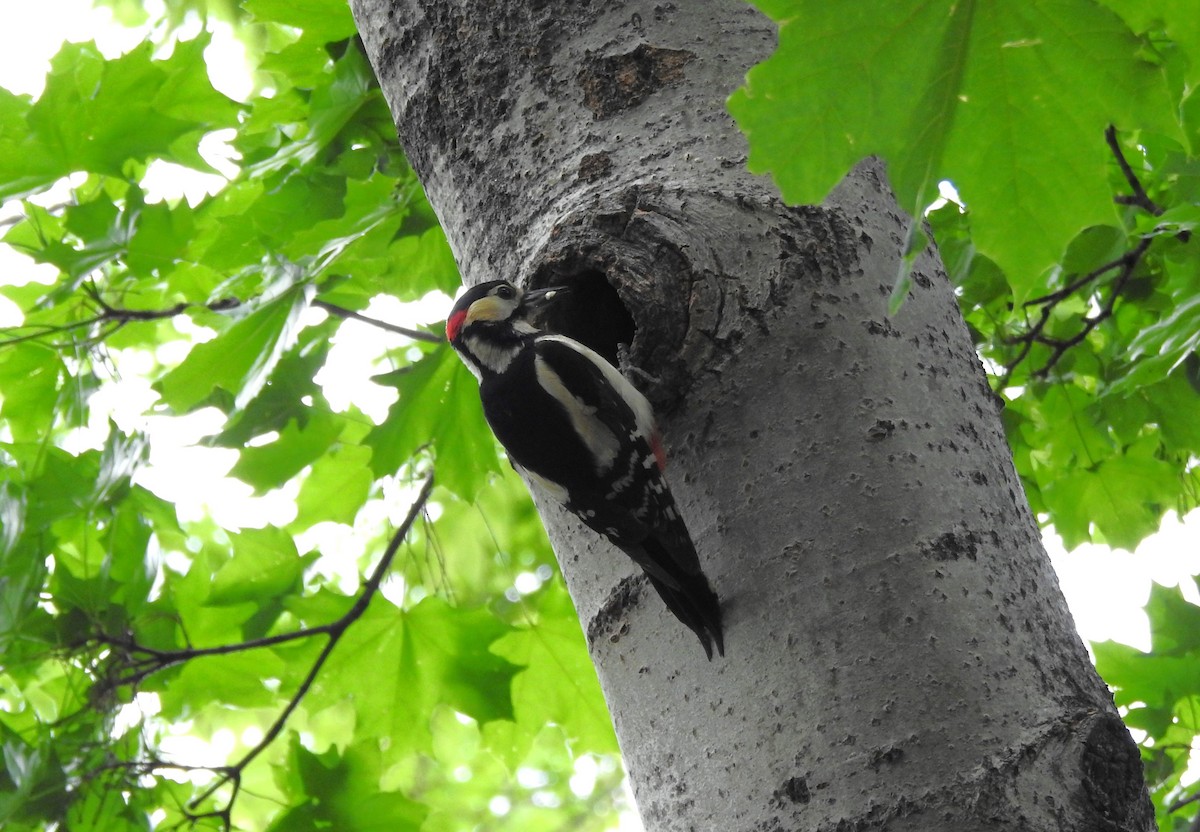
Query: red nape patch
pixel 455 324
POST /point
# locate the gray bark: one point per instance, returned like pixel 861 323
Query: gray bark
pixel 899 655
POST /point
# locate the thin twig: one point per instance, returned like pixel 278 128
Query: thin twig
pixel 162 659
pixel 50 209
pixel 1139 197
pixel 1060 347
pixel 1179 804
pixel 342 312
pixel 118 317
pixel 1126 264
pixel 335 630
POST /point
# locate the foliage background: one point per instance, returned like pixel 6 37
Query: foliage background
pixel 460 693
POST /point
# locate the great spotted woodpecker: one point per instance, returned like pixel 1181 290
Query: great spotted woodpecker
pixel 577 428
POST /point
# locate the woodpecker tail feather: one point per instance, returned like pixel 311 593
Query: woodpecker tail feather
pixel 691 600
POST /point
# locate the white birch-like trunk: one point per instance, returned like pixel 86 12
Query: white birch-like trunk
pixel 898 653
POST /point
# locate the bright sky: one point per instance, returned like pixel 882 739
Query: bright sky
pixel 1105 588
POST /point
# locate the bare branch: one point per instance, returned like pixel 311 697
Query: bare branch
pixel 1139 197
pixel 1185 801
pixel 342 312
pixel 1125 265
pixel 113 318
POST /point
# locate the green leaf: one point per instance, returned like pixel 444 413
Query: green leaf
pixel 1163 346
pixel 558 683
pixel 238 360
pixel 1175 17
pixel 264 566
pixel 331 109
pixel 1124 498
pixel 30 374
pixel 94 115
pixel 327 19
pixel 336 488
pixel 341 792
pixel 1176 408
pixel 427 263
pixel 122 456
pixel 32 781
pixel 1174 622
pixel 269 466
pixel 1093 248
pixel 1158 681
pixel 236 679
pixel 283 399
pixel 160 242
pixel 994 80
pixel 439 403
pixel 432 653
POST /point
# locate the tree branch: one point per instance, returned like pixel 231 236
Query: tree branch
pixel 112 318
pixel 1185 801
pixel 116 317
pixel 1139 197
pixel 153 660
pixel 342 312
pixel 335 631
pixel 1126 264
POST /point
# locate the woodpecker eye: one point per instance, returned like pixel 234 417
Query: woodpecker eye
pixel 505 292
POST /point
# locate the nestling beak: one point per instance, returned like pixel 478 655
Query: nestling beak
pixel 538 298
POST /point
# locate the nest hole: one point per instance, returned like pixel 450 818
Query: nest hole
pixel 591 312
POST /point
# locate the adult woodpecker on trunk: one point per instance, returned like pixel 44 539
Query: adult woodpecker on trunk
pixel 575 426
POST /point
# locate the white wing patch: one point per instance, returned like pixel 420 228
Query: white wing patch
pixel 642 412
pixel 552 488
pixel 601 441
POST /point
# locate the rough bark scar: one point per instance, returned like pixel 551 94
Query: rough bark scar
pixel 952 546
pixel 610 618
pixel 617 82
pixel 1112 772
pixel 594 166
pixel 794 790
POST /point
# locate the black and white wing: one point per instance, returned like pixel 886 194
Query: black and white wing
pixel 621 491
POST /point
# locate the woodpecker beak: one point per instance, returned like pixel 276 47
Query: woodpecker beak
pixel 538 298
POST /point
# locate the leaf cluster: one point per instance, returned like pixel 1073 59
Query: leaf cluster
pixel 149 655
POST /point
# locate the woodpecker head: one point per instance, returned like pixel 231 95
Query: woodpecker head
pixel 490 321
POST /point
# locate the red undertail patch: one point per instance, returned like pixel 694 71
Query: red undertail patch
pixel 455 324
pixel 660 453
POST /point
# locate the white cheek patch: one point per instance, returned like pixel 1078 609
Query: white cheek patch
pixel 601 441
pixel 491 356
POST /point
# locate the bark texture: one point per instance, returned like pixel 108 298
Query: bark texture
pixel 899 655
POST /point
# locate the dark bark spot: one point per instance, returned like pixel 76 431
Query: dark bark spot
pixel 886 754
pixel 594 166
pixel 618 82
pixel 882 429
pixel 952 546
pixel 610 618
pixel 1113 776
pixel 794 790
pixel 881 328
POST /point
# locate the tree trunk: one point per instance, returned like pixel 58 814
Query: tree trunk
pixel 898 653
